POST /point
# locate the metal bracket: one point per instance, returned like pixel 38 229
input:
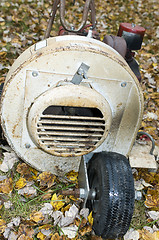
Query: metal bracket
pixel 80 74
pixel 83 181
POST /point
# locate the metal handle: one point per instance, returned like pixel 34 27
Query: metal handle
pixel 89 5
pixel 84 18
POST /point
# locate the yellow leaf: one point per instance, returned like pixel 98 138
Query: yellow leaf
pixel 72 176
pixel 152 201
pixel 156 235
pixel 45 226
pixel 2 225
pixel 90 218
pixel 24 237
pixel 56 203
pixel 2 23
pixel 146 235
pixel 36 216
pixel 35 172
pixel 25 232
pixel 46 179
pixel 73 198
pixel 66 208
pixel 85 230
pixel 6 186
pixel 3 54
pixel 20 183
pixel 55 237
pixel 41 236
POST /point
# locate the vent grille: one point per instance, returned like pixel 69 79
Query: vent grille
pixel 63 135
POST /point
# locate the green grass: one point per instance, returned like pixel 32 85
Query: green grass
pixel 20 208
pixel 139 219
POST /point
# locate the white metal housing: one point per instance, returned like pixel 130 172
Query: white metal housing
pixel 39 85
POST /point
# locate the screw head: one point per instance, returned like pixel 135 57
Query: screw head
pixel 34 73
pixel 123 84
pixel 27 145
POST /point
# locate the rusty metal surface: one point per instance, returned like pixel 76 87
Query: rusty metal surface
pixel 52 17
pixel 118 43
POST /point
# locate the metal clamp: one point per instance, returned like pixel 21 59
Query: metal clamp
pixel 80 74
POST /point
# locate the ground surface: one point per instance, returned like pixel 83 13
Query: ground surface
pixel 28 198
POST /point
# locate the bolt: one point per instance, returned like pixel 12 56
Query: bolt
pixel 27 145
pixel 34 74
pixel 80 71
pixel 123 84
pixel 74 192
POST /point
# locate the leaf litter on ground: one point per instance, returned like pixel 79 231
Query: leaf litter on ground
pixel 30 203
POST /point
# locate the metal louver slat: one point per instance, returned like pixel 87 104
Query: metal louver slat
pixel 60 134
pixel 80 139
pixel 73 122
pixel 71 117
pixel 68 133
pixel 57 144
pixel 69 128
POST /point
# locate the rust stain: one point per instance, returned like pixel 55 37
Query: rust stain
pixel 119 105
pixel 13 131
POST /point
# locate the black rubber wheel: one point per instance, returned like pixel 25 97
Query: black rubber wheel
pixel 110 175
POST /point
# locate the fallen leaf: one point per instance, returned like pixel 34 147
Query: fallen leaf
pixel 152 199
pixel 146 235
pixel 84 212
pixel 25 171
pixel 152 202
pixel 8 204
pixel 37 216
pixel 55 237
pixel 25 231
pixel 57 215
pixel 85 230
pixel 41 236
pixel 13 236
pixel 2 225
pixel 47 209
pixel 70 231
pixel 90 218
pixel 20 183
pixel 28 191
pixel 6 186
pixel 56 202
pixel 47 179
pixel 132 235
pixel 10 158
pixel 154 215
pixel 46 232
pixel 72 176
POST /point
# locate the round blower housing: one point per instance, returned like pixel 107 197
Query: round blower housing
pixel 51 119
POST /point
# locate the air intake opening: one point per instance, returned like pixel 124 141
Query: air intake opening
pixel 70 131
pixel 73 111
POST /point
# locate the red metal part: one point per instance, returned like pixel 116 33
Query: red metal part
pixel 129 27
